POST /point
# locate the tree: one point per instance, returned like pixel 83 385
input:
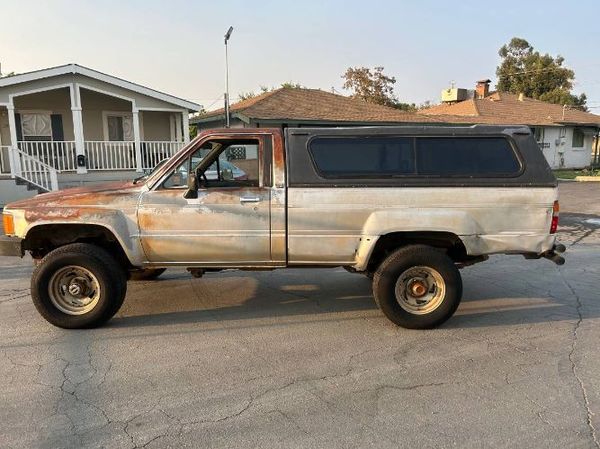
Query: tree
pixel 264 89
pixel 373 86
pixel 541 76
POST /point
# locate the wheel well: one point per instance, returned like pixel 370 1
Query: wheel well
pixel 448 242
pixel 42 239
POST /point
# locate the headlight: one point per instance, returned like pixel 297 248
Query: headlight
pixel 9 224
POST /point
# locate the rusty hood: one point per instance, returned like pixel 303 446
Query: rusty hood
pixel 107 195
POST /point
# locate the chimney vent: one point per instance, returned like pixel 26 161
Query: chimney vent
pixel 521 96
pixel 482 88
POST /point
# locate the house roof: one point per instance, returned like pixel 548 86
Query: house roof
pixel 313 105
pixel 91 73
pixel 502 108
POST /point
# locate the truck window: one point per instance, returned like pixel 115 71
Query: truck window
pixel 363 156
pixel 466 156
pixel 236 164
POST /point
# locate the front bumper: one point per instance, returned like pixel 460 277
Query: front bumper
pixel 11 246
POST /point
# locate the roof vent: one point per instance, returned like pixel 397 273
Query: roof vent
pixel 521 96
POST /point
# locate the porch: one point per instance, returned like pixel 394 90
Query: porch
pixel 61 132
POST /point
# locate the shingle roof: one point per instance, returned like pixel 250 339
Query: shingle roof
pixel 502 108
pixel 302 104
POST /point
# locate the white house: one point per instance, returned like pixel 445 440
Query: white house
pixel 565 134
pixel 68 125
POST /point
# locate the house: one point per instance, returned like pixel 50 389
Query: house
pixel 565 134
pixel 298 107
pixel 68 125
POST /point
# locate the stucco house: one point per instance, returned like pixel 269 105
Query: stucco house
pixel 566 135
pixel 68 125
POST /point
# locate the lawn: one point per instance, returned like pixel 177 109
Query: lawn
pixel 571 174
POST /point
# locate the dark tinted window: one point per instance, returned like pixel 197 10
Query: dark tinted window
pixel 451 156
pixel 363 156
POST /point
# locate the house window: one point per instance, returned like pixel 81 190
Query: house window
pixel 118 127
pixel 577 138
pixel 36 126
pixel 538 133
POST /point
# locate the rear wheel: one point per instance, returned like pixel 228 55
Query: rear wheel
pixel 417 287
pixel 78 286
pixel 148 274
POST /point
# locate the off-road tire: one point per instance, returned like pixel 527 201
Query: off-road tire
pixel 148 274
pixel 397 263
pixel 111 277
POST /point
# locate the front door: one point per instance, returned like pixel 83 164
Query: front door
pixel 228 224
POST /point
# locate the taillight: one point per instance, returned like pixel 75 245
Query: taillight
pixel 554 223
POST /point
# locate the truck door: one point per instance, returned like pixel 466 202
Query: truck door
pixel 229 222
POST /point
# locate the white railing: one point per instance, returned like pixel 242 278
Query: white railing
pixel 58 154
pixel 33 170
pixel 4 159
pixel 100 155
pixel 153 152
pixel 103 155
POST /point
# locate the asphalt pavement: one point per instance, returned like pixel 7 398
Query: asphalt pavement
pixel 303 358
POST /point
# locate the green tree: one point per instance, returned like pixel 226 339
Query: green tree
pixel 263 89
pixel 374 86
pixel 524 70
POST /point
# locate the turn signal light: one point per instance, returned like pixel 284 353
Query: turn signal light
pixel 9 224
pixel 554 223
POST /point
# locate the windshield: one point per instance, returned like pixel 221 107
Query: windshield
pixel 145 176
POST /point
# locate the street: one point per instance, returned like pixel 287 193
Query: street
pixel 303 358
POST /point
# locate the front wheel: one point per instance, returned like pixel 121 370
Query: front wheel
pixel 417 287
pixel 78 286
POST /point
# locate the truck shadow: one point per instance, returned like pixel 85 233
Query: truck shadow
pixel 501 294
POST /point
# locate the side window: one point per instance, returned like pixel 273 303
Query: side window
pixel 577 138
pixel 363 156
pixel 235 163
pixel 466 157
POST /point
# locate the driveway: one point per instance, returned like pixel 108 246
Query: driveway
pixel 302 358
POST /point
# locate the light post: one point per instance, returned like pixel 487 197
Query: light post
pixel 227 36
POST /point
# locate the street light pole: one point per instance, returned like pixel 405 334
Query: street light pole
pixel 227 36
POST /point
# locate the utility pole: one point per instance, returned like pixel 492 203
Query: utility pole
pixel 227 36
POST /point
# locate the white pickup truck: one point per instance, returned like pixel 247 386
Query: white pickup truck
pixel 407 206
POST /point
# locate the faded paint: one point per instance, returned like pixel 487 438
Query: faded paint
pixel 296 226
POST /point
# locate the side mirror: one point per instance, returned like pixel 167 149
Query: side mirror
pixel 192 184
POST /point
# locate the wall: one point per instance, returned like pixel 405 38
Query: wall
pixel 559 151
pixel 155 125
pixel 55 101
pixel 92 104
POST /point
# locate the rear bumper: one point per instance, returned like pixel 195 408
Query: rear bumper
pixel 11 246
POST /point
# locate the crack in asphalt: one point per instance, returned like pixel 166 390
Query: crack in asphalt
pixel 586 401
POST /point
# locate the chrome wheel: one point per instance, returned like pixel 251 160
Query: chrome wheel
pixel 74 290
pixel 420 290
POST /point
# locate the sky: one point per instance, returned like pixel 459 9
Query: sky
pixel 177 46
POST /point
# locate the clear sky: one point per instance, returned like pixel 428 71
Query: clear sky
pixel 177 46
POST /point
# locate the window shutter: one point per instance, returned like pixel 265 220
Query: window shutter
pixel 19 130
pixel 57 127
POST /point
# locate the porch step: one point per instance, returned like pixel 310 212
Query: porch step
pixel 29 186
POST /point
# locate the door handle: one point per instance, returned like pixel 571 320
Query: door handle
pixel 249 199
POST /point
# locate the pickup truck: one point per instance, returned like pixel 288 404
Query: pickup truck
pixel 405 206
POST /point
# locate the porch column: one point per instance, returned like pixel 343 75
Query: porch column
pixel 178 121
pixel 15 166
pixel 186 126
pixel 77 126
pixel 137 141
